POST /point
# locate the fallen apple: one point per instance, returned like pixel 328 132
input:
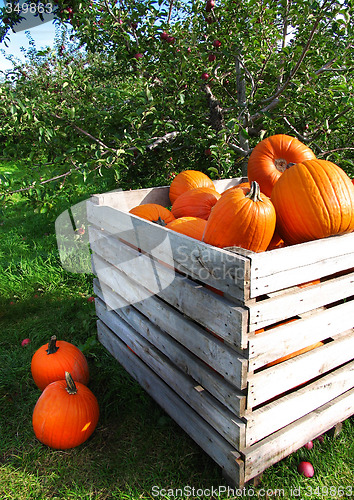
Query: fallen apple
pixel 306 469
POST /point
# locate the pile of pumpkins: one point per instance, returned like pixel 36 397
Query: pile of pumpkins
pixel 67 412
pixel 291 197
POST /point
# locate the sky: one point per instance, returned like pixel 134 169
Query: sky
pixel 43 35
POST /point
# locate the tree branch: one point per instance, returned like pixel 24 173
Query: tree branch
pixel 296 132
pixel 323 153
pixel 300 60
pixel 260 114
pixel 216 111
pixel 159 140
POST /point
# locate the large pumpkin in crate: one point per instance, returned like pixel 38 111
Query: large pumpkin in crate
pixel 272 156
pixel 153 212
pixel 243 217
pixel 196 202
pixel 188 179
pixel 313 199
pixel 193 227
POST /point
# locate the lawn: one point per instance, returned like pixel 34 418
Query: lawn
pixel 135 446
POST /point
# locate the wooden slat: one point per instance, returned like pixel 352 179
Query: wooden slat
pixel 282 443
pixel 196 427
pixel 297 301
pixel 206 308
pixel 211 381
pixel 126 200
pixel 204 345
pixel 278 342
pixel 209 408
pixel 277 379
pixel 278 414
pixel 288 266
pixel 219 268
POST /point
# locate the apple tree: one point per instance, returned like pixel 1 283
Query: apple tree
pixel 140 89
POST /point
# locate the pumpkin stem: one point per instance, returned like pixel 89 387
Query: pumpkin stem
pixel 52 346
pixel 159 221
pixel 282 165
pixel 254 193
pixel 70 384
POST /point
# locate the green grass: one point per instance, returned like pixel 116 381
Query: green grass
pixel 136 445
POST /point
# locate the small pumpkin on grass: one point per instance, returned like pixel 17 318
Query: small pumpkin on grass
pixel 153 212
pixel 65 415
pixel 188 179
pixel 51 361
pixel 244 218
pixel 193 227
pixel 313 199
pixel 272 156
pixel 196 202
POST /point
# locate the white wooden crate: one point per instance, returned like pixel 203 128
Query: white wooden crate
pixel 206 352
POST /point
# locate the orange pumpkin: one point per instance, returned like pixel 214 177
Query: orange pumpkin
pixel 188 179
pixel 196 202
pixel 65 415
pixel 154 213
pixel 276 242
pixel 51 361
pixel 313 200
pixel 272 156
pixel 244 218
pixel 190 226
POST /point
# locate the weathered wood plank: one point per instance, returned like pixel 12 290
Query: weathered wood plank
pixel 126 200
pixel 288 266
pixel 278 414
pixel 219 268
pixel 204 345
pixel 208 309
pixel 266 312
pixel 277 342
pixel 209 408
pixel 277 379
pixel 282 443
pixel 227 394
pixel 196 427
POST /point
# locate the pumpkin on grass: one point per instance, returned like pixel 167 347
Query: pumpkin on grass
pixel 51 361
pixel 188 179
pixel 244 218
pixel 193 227
pixel 313 199
pixel 153 212
pixel 65 415
pixel 196 202
pixel 272 156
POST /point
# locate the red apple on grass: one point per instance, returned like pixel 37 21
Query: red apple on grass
pixel 216 44
pixel 306 469
pixel 205 76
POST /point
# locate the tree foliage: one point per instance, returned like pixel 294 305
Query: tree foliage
pixel 142 88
